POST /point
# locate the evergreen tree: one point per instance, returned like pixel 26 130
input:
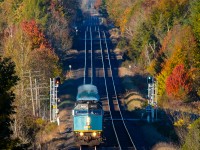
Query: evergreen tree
pixel 7 79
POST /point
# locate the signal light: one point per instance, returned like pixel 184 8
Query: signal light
pixel 150 80
pixel 57 81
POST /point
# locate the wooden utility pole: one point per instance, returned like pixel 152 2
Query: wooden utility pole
pixel 36 98
pixel 34 88
pixel 31 87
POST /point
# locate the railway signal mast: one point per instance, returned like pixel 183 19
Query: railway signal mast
pixel 54 83
pixel 151 109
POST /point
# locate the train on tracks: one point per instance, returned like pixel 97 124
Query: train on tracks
pixel 87 116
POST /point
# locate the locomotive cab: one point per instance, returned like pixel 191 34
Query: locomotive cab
pixel 88 117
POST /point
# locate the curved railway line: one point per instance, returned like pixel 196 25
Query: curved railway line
pixel 123 139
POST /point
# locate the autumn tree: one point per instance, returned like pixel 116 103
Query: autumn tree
pixel 43 55
pixel 177 84
pixel 179 47
pixel 194 18
pixel 32 10
pixel 194 21
pixel 8 79
pixel 59 32
pixel 35 34
pixel 119 11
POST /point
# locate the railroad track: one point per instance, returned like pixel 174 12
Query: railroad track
pixel 98 71
pixel 122 134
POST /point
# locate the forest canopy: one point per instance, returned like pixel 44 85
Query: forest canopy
pixel 162 35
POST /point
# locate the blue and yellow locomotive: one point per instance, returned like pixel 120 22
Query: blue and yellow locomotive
pixel 88 116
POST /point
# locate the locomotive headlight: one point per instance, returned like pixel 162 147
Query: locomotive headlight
pixel 94 134
pixel 88 121
pixel 81 134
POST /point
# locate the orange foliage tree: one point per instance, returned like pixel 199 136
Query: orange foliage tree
pixel 177 84
pixel 35 34
pixel 43 55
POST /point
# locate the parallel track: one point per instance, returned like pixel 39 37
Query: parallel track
pixel 122 134
pixel 88 64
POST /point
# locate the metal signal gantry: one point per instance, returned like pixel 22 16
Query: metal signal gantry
pixel 152 98
pixel 54 83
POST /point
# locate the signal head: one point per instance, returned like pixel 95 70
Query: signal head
pixel 57 80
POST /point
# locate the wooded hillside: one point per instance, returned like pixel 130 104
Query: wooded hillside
pixel 33 33
pixel 163 38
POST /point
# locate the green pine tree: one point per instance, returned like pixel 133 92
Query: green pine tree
pixel 7 80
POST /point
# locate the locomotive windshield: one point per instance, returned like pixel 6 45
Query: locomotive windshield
pixel 87 92
pixel 81 112
pixel 85 112
pixel 95 112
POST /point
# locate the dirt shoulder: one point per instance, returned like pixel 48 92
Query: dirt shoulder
pixel 61 136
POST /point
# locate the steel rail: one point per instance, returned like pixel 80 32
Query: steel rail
pixel 91 56
pixel 116 92
pixel 91 48
pixel 107 88
pixel 85 56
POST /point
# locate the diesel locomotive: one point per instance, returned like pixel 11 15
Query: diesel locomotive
pixel 87 116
